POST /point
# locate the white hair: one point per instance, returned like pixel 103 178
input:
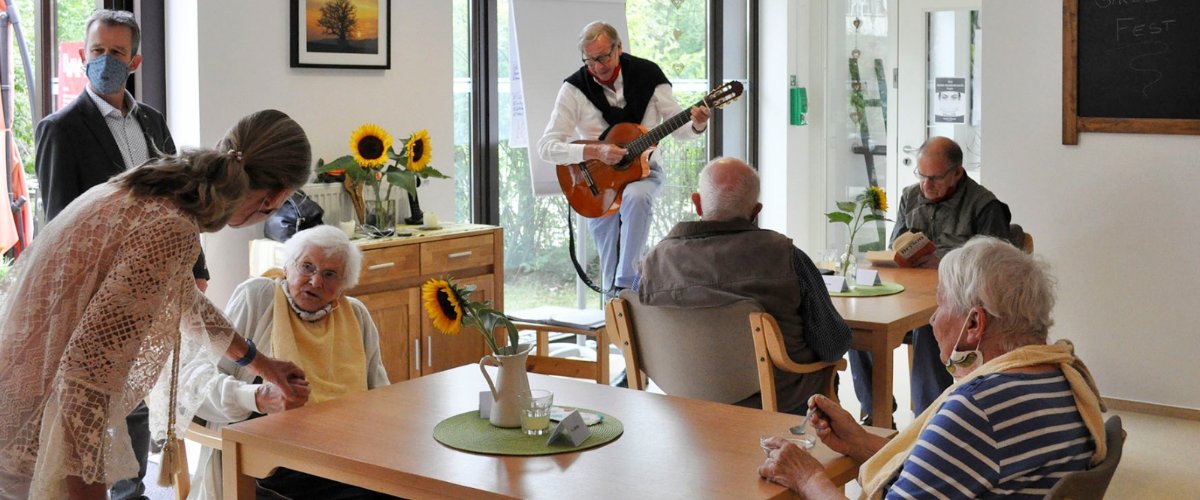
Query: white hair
pixel 333 242
pixel 1015 289
pixel 730 195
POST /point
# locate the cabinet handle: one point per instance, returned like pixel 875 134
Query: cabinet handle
pixel 459 255
pixel 385 265
pixel 417 353
pixel 429 351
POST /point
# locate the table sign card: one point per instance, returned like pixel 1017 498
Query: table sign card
pixel 836 284
pixel 485 404
pixel 867 277
pixel 571 428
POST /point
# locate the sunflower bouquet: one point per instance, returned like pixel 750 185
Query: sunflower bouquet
pixel 449 306
pixel 374 160
pixel 851 213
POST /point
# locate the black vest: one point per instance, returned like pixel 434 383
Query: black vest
pixel 641 78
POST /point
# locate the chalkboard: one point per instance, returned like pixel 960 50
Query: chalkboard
pixel 1131 66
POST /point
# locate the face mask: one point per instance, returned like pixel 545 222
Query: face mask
pixel 962 363
pixel 107 74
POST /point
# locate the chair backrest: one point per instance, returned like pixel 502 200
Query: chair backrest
pixel 700 353
pixel 1092 483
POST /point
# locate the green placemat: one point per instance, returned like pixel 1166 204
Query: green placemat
pixel 468 432
pixel 886 288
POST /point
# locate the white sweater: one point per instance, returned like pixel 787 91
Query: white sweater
pixel 232 396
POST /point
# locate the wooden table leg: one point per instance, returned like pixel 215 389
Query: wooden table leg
pixel 881 386
pixel 237 485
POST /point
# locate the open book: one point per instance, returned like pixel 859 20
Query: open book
pixel 907 248
pixel 562 316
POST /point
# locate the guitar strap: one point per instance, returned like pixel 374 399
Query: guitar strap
pixel 575 260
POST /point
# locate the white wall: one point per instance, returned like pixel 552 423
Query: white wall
pixel 228 58
pixel 1114 216
pixel 792 182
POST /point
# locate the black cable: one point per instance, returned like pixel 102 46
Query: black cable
pixel 575 260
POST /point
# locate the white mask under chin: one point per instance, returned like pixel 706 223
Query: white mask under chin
pixel 962 363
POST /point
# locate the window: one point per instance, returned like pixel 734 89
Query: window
pixel 857 120
pixel 679 36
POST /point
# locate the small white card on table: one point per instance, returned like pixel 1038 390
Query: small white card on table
pixel 485 404
pixel 867 277
pixel 571 428
pixel 835 284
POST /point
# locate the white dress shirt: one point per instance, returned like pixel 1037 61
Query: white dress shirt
pixel 575 117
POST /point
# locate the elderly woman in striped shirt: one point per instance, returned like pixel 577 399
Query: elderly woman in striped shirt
pixel 1020 415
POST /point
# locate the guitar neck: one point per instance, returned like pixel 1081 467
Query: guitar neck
pixel 641 144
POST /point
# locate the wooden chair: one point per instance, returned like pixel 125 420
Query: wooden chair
pixel 723 354
pixel 1092 483
pixel 548 365
pixel 206 437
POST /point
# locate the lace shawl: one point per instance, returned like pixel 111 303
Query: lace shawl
pixel 88 319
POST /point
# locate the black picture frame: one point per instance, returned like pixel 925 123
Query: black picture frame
pixel 318 46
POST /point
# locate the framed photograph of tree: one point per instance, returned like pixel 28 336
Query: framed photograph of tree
pixel 341 34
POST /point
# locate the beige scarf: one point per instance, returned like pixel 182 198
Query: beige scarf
pixel 329 350
pixel 877 472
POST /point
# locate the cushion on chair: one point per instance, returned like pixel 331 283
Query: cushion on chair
pixel 700 353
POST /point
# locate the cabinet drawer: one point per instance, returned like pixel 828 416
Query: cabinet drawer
pixel 382 265
pixel 441 257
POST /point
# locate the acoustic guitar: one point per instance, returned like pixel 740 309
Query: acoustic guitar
pixel 593 188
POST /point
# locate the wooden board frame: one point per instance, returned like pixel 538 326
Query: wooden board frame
pixel 1073 124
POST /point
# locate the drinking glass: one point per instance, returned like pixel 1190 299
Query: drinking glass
pixel 535 411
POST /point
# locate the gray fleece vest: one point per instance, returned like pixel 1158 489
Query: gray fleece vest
pixel 950 222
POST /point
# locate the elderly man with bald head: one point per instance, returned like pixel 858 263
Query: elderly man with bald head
pixel 950 208
pixel 725 257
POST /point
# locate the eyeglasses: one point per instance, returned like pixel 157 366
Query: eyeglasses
pixel 308 270
pixel 600 59
pixel 933 178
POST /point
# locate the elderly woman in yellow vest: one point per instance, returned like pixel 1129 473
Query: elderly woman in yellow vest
pixel 303 316
pixel 1020 414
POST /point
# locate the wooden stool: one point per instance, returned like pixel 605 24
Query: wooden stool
pixel 549 365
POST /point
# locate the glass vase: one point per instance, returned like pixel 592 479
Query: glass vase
pixel 848 265
pixel 380 219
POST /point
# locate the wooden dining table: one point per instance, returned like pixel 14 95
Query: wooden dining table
pixel 880 323
pixel 383 440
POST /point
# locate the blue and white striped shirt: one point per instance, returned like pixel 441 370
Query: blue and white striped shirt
pixel 1000 435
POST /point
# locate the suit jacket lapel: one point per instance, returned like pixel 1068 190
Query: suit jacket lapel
pixel 100 131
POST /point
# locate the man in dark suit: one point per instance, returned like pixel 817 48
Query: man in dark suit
pixel 104 131
pixel 100 134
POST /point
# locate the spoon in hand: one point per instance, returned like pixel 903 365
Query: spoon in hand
pixel 800 429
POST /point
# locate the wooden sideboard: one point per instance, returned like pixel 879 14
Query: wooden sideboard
pixel 390 286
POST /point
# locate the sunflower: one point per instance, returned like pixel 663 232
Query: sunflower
pixel 370 145
pixel 443 305
pixel 419 151
pixel 877 198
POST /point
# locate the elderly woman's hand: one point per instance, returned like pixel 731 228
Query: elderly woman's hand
pixel 794 468
pixel 286 375
pixel 269 399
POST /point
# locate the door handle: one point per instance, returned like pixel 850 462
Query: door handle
pixel 910 150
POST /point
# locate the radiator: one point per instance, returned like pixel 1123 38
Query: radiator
pixel 336 203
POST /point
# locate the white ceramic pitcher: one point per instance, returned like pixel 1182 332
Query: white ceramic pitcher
pixel 511 381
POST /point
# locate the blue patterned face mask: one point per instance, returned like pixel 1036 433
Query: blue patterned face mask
pixel 107 74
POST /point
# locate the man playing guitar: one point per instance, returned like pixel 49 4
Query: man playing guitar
pixel 614 87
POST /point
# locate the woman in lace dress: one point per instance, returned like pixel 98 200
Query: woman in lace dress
pixel 91 314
